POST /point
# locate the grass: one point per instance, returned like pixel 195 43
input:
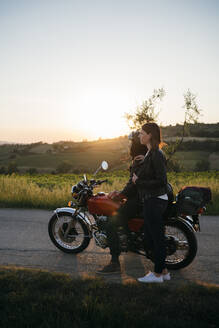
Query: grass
pixel 32 298
pixel 52 191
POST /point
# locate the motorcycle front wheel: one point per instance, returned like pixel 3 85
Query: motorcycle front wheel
pixel 181 244
pixel 68 234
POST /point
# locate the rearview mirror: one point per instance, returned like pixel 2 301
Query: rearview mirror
pixel 104 165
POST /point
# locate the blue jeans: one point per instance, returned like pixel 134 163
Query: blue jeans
pixel 154 238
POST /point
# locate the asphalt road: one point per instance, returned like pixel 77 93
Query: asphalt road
pixel 24 241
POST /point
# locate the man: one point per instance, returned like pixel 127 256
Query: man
pixel 128 210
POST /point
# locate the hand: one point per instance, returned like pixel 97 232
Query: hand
pixel 113 194
pixel 134 178
pixel 116 195
pixel 139 157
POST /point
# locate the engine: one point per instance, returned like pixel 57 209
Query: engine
pixel 132 240
pixel 100 239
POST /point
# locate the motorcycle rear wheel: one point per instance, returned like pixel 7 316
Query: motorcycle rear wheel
pixel 75 241
pixel 182 247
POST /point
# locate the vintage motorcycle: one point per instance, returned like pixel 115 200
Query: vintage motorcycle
pixel 71 228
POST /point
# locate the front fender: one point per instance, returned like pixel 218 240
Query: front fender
pixel 71 211
pixel 65 210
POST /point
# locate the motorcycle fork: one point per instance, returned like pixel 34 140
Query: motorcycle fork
pixel 71 224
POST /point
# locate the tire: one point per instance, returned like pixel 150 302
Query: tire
pixel 71 243
pixel 189 244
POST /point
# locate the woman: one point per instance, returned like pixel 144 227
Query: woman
pixel 151 183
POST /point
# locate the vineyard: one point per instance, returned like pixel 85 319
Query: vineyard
pixel 49 191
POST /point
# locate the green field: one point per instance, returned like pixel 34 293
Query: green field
pixel 51 191
pixel 86 156
pixel 81 155
pixel 91 159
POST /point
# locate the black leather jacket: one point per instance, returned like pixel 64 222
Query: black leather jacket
pixel 130 188
pixel 152 177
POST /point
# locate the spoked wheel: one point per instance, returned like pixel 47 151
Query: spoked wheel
pixel 69 234
pixel 181 244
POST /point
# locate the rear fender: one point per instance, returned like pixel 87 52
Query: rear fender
pixel 72 211
pixel 186 222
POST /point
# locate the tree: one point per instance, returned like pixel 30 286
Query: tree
pixel 202 165
pixel 192 113
pixel 12 168
pixel 3 170
pixel 147 113
pixel 32 171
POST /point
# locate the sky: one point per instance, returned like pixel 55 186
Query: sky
pixel 71 69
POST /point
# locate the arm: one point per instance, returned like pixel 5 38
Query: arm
pixel 126 192
pixel 129 188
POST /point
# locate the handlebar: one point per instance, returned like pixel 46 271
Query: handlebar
pixel 101 181
pixel 96 183
pixel 85 187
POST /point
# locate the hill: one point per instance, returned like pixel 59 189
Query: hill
pixel 76 157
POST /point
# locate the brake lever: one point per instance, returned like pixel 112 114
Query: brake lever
pixel 104 181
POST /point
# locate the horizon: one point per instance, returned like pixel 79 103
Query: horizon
pixel 5 142
pixel 71 70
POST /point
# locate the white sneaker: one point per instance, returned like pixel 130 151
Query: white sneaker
pixel 150 278
pixel 166 276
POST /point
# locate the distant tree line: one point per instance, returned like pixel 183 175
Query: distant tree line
pixel 201 130
pixel 205 145
pixel 13 168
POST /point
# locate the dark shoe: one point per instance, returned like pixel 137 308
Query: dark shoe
pixel 113 267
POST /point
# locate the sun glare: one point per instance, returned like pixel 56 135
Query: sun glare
pixel 102 113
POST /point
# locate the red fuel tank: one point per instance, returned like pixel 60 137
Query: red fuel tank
pixel 102 205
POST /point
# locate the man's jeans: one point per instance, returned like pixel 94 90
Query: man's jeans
pixel 127 211
pixel 154 209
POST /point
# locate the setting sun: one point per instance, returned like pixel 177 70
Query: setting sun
pixel 99 109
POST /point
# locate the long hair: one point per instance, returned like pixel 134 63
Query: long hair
pixel 154 130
